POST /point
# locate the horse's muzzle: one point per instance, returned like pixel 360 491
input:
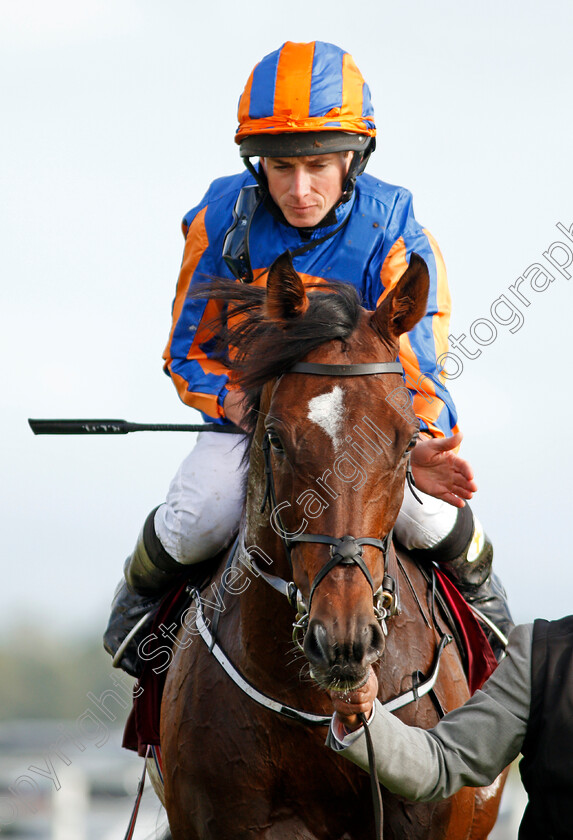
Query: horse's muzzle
pixel 343 661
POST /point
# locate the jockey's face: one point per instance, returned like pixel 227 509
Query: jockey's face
pixel 306 188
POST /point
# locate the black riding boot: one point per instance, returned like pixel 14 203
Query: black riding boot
pixel 148 574
pixel 466 557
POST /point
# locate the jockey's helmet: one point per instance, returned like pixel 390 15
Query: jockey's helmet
pixel 306 99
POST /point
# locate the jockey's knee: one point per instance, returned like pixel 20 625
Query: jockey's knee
pixel 193 535
pixel 455 540
pixel 438 531
pixel 424 526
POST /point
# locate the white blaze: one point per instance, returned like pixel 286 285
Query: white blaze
pixel 327 411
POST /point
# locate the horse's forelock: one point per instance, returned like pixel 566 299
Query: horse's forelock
pixel 258 349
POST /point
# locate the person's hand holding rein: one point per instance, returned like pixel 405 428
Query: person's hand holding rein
pixel 349 704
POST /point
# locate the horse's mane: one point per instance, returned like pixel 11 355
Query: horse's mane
pixel 257 349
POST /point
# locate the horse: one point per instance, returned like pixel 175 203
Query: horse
pixel 327 465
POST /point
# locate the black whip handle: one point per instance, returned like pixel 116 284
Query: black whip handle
pixel 121 427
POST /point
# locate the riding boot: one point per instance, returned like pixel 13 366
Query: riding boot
pixel 466 557
pixel 149 573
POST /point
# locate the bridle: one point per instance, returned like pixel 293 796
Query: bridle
pixel 344 551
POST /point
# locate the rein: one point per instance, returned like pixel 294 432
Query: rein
pixel 308 718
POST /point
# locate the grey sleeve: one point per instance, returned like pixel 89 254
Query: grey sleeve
pixel 469 746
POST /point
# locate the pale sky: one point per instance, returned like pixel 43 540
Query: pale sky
pixel 116 116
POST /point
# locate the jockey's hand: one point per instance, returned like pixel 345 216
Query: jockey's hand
pixel 440 472
pixel 234 408
pixel 348 705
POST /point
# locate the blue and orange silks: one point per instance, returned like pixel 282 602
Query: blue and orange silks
pixel 371 252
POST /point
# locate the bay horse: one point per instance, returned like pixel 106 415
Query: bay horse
pixel 328 460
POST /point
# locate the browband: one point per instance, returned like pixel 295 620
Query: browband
pixel 346 370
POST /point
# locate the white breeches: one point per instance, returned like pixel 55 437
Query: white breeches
pixel 205 501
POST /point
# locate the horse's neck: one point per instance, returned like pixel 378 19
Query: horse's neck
pixel 264 612
pixel 257 527
pixel 256 523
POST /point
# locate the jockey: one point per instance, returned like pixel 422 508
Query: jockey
pixel 307 116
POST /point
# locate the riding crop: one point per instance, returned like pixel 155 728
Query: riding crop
pixel 122 427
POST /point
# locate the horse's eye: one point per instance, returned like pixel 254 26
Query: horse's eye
pixel 275 441
pixel 412 443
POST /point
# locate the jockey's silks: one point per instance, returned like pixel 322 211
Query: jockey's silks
pixel 371 251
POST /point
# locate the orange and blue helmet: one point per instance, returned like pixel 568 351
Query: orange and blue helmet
pixel 305 99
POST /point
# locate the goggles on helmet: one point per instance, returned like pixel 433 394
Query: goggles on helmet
pixel 299 145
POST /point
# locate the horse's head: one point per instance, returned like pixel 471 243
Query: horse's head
pixel 333 442
pixel 338 442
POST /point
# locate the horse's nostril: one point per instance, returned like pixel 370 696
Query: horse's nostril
pixel 316 645
pixel 375 646
pixel 368 645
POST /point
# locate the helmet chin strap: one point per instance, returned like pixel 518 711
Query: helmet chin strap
pixel 356 168
pixel 259 177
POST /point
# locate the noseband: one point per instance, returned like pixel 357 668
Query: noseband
pixel 346 551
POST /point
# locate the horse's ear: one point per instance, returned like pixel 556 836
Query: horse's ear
pixel 286 295
pixel 406 303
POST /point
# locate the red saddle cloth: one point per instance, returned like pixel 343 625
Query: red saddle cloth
pixel 481 662
pixel 142 726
